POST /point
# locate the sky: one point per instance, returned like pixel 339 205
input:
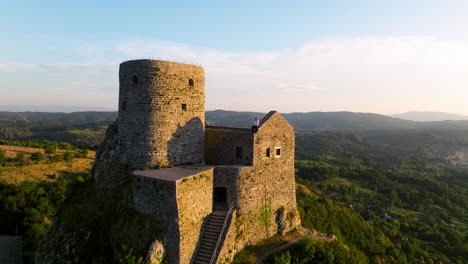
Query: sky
pixel 376 56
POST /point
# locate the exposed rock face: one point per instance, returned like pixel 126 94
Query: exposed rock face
pixel 156 252
pixel 65 247
pixel 287 221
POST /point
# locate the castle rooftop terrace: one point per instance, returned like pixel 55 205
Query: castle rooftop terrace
pixel 172 174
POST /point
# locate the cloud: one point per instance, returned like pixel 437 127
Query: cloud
pixel 297 88
pixel 367 74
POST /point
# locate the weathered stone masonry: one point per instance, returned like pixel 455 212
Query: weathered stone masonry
pixel 161 113
pixel 162 124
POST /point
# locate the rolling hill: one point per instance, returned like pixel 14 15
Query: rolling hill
pixel 426 116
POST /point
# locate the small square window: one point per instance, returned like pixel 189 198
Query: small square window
pixel 239 152
pixel 184 106
pixel 277 152
pixel 267 153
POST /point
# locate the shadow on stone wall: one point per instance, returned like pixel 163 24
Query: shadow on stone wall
pixel 202 231
pixel 187 143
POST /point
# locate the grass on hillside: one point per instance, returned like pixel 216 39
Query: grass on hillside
pixel 85 132
pixel 251 254
pixel 42 171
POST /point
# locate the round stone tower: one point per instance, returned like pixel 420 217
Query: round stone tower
pixel 161 113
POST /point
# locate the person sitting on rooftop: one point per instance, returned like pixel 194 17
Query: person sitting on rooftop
pixel 256 123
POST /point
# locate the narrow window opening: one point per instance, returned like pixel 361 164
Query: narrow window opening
pixel 267 153
pixel 124 106
pixel 278 152
pixel 135 79
pixel 184 106
pixel 239 152
pixel 190 82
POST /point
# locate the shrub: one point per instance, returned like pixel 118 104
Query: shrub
pixel 82 153
pixel 67 156
pixel 2 154
pixel 37 156
pixel 50 149
pixel 21 159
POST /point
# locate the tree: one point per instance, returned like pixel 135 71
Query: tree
pixel 49 149
pixel 21 158
pixel 82 153
pixel 37 156
pixel 2 154
pixel 67 156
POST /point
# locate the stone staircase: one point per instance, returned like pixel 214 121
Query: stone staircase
pixel 210 237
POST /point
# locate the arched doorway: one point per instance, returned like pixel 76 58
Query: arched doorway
pixel 220 198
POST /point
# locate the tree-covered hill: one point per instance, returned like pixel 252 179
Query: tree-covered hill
pixel 59 118
pixel 333 121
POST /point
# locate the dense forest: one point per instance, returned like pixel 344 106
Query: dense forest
pixel 389 195
pixel 383 204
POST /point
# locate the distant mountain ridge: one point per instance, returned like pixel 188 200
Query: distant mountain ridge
pixel 74 117
pixel 54 108
pixel 302 122
pixel 428 116
pixel 332 121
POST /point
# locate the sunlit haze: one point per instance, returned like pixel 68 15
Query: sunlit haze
pixel 383 57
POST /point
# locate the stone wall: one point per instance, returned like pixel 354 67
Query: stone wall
pixel 182 205
pixel 155 197
pixel 161 113
pixel 267 188
pixel 270 183
pixel 222 143
pixel 194 199
pixel 227 176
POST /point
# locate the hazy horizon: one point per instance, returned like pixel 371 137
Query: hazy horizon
pixel 78 108
pixel 385 58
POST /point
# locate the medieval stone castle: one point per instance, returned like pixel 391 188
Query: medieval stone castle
pixel 215 189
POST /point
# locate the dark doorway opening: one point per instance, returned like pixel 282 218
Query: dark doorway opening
pixel 220 198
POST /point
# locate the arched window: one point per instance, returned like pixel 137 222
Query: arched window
pixel 190 82
pixel 135 79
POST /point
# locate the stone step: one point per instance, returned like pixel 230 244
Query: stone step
pixel 206 251
pixel 204 259
pixel 219 213
pixel 204 256
pixel 216 221
pixel 207 247
pixel 217 225
pixel 209 242
pixel 213 229
pixel 211 235
pixel 221 220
